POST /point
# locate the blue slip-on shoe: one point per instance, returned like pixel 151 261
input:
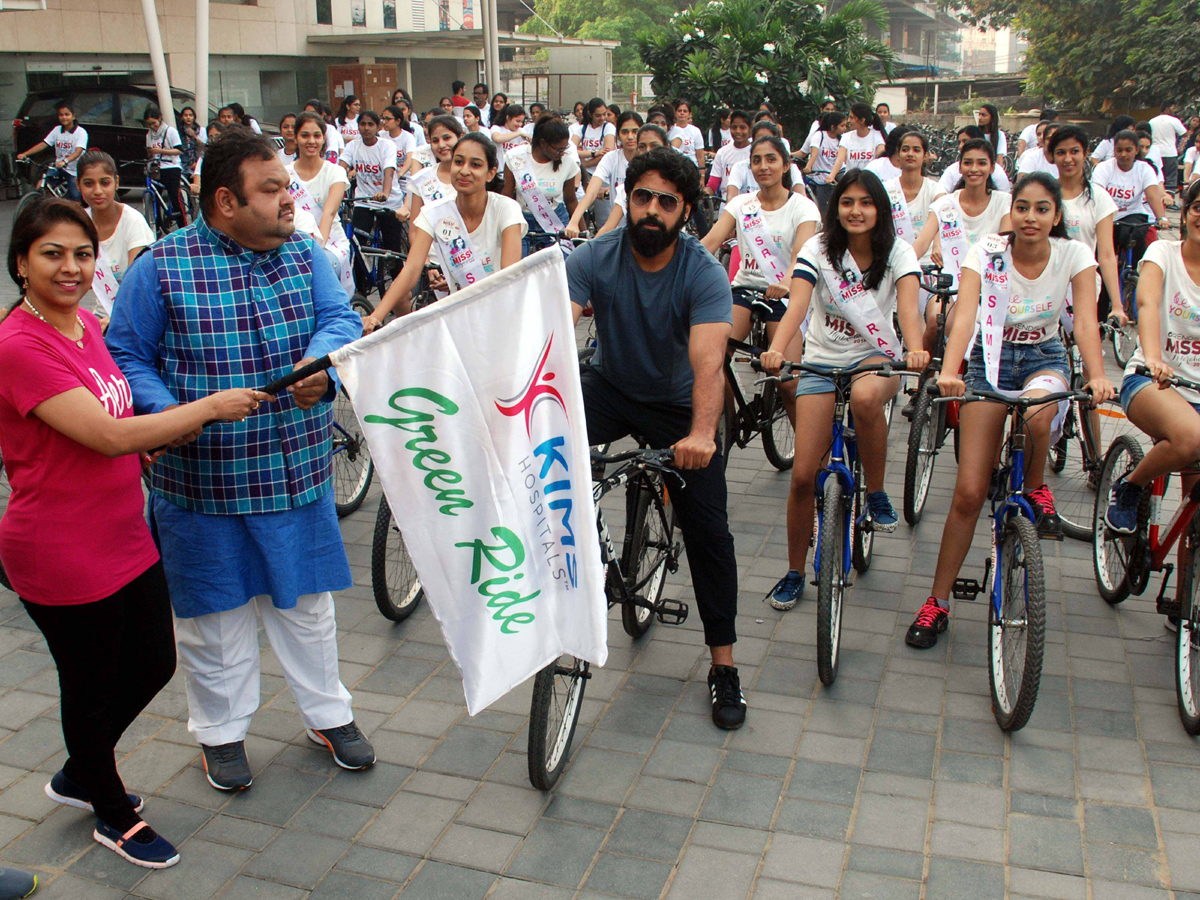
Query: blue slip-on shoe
pixel 62 789
pixel 787 591
pixel 158 854
pixel 880 513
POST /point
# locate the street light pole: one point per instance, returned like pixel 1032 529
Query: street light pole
pixel 158 62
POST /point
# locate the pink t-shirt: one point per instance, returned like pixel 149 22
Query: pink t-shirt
pixel 73 531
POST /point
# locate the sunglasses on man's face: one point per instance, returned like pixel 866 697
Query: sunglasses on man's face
pixel 641 198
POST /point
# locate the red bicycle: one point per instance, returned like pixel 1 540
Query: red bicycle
pixel 1124 562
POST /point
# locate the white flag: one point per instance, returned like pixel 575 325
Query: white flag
pixel 473 412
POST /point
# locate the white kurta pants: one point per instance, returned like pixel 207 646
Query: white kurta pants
pixel 220 659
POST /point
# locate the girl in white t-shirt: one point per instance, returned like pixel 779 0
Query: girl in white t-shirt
pixel 773 215
pixel 547 172
pixel 399 132
pixel 372 159
pixel 730 154
pixel 597 136
pixel 858 256
pixel 609 175
pixel 686 137
pixel 1088 210
pixel 988 118
pixel 431 177
pixel 1169 345
pixel 1039 263
pixel 974 210
pixel 1131 182
pixel 324 181
pixel 124 233
pixel 493 222
pixel 347 118
pixel 860 144
pixel 507 131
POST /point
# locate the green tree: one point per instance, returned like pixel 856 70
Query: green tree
pixel 607 20
pixel 787 52
pixel 1166 55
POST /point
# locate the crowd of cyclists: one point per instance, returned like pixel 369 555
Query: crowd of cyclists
pixel 831 240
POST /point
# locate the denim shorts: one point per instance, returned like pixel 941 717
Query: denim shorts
pixel 1131 386
pixel 745 297
pixel 1018 363
pixel 812 383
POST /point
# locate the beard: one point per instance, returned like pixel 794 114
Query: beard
pixel 650 236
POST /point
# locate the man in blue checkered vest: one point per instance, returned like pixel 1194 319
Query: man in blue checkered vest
pixel 244 512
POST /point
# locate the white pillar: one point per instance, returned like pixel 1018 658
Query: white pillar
pixel 485 22
pixel 494 49
pixel 158 62
pixel 936 86
pixel 202 63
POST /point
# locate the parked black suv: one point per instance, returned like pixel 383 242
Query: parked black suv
pixel 112 116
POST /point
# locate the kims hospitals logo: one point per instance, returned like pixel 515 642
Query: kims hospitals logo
pixel 536 390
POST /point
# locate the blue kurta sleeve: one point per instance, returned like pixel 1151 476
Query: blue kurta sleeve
pixel 135 335
pixel 337 323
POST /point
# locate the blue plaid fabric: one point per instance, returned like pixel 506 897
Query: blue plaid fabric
pixel 201 314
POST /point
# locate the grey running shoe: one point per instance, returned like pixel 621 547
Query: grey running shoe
pixel 227 767
pixel 350 747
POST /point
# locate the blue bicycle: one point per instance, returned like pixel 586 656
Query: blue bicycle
pixel 1129 236
pixel 1013 576
pixel 845 537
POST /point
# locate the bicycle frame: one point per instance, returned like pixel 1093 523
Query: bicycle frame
pixel 1159 549
pixel 843 453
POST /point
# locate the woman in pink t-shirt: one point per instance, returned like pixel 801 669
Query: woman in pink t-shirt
pixel 73 539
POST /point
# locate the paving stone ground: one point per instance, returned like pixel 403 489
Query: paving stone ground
pixel 893 783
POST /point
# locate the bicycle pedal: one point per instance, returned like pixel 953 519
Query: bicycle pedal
pixel 672 612
pixel 966 589
pixel 1166 607
pixel 673 557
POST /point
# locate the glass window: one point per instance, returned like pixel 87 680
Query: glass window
pixel 93 107
pixel 324 12
pixel 389 13
pixel 133 108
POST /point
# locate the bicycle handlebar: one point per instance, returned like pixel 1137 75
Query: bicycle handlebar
pixel 886 369
pixel 1017 402
pixel 1174 381
pixel 649 457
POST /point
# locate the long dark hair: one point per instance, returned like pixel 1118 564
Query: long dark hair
pixel 891 141
pixel 398 114
pixel 777 144
pixel 992 132
pixel 317 120
pixel 864 112
pixel 1119 124
pixel 1073 133
pixel 589 111
pixel 714 133
pixel 836 240
pixel 1053 188
pixel 512 110
pixel 977 144
pixel 830 120
pixel 34 221
pixel 1190 195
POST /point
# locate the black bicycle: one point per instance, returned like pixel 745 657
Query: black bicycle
pixel 352 466
pixel 394 582
pixel 44 181
pixel 763 412
pixel 931 422
pixel 635 580
pixel 1129 235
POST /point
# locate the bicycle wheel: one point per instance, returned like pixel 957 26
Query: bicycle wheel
pixel 1111 552
pixel 831 580
pixel 1058 453
pixel 27 198
pixel 553 715
pixel 862 540
pixel 922 451
pixel 1087 431
pixel 394 580
pixel 5 492
pixel 352 466
pixel 646 553
pixel 778 437
pixel 1125 340
pixel 361 305
pixel 1187 644
pixel 150 211
pixel 1017 631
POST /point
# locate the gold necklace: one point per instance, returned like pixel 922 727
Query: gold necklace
pixel 82 327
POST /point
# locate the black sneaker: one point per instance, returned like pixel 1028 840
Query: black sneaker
pixel 728 703
pixel 62 789
pixel 931 621
pixel 15 884
pixel 139 845
pixel 1049 525
pixel 350 747
pixel 227 767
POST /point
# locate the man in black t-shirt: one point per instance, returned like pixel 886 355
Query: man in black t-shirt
pixel 663 312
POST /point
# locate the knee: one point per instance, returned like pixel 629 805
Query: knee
pixel 1187 440
pixel 968 500
pixel 803 481
pixel 867 407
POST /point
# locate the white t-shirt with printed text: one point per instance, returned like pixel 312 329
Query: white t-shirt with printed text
pixel 1080 215
pixel 692 139
pixel 860 150
pixel 1179 316
pixel 727 157
pixel 1127 189
pixel 501 213
pixel 832 340
pixel 370 165
pixel 1035 305
pixel 166 138
pixel 987 222
pixel 132 231
pixel 781 223
pixel 65 143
